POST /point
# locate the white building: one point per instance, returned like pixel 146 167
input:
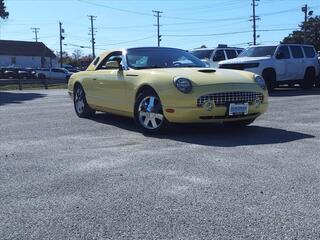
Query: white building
pixel 26 54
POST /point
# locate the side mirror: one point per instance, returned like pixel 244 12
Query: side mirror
pixel 113 65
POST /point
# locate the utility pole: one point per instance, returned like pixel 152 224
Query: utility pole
pixel 61 39
pixel 92 31
pixel 305 10
pixel 35 30
pixel 158 25
pixel 254 18
pixel 307 14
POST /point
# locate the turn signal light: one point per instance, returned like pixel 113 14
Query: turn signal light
pixel 170 110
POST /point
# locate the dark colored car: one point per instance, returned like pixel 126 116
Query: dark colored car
pixel 19 73
pixel 2 70
pixel 11 73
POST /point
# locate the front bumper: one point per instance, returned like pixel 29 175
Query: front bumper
pixel 216 115
pixel 183 107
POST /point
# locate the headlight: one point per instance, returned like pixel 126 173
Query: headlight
pixel 182 84
pixel 250 65
pixel 260 81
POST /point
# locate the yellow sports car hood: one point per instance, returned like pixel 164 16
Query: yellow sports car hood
pixel 208 76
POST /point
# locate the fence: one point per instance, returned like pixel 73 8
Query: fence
pixel 21 82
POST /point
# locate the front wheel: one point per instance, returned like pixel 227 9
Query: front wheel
pixel 81 106
pixel 148 113
pixel 270 78
pixel 309 79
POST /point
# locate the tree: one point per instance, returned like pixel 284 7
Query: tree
pixel 76 59
pixel 312 33
pixel 77 54
pixel 3 13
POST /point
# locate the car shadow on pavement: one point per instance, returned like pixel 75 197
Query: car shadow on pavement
pixel 18 97
pixel 116 121
pixel 211 135
pixel 293 92
pixel 221 136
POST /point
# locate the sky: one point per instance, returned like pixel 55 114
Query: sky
pixel 121 24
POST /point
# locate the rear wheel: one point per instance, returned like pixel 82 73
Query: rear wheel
pixel 80 103
pixel 309 79
pixel 270 78
pixel 148 113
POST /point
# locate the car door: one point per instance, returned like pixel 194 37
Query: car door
pixel 56 73
pixel 283 64
pixel 298 62
pixel 109 84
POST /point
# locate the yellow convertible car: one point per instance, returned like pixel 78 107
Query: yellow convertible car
pixel 157 86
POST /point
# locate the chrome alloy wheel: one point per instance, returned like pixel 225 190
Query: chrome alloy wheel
pixel 150 113
pixel 79 100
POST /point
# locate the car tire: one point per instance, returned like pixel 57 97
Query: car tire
pixel 309 79
pixel 81 106
pixel 318 83
pixel 148 113
pixel 270 78
pixel 239 124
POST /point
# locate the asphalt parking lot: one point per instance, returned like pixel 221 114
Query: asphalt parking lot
pixel 62 177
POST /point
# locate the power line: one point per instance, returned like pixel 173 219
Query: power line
pixel 35 30
pixel 227 33
pixel 114 8
pixel 111 44
pixel 130 41
pixel 158 25
pixel 92 31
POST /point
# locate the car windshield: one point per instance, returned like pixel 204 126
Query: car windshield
pixel 202 54
pixel 144 58
pixel 258 52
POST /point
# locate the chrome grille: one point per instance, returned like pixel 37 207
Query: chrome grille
pixel 225 98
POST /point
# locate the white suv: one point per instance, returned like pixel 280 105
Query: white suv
pixel 280 64
pixel 212 56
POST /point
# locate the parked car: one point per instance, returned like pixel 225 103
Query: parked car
pixel 158 85
pixel 17 73
pixel 27 73
pixel 279 64
pixel 212 56
pixel 11 73
pixel 53 73
pixel 70 68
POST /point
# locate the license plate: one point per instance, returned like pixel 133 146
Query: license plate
pixel 236 109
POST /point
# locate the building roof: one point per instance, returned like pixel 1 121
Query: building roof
pixel 22 48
